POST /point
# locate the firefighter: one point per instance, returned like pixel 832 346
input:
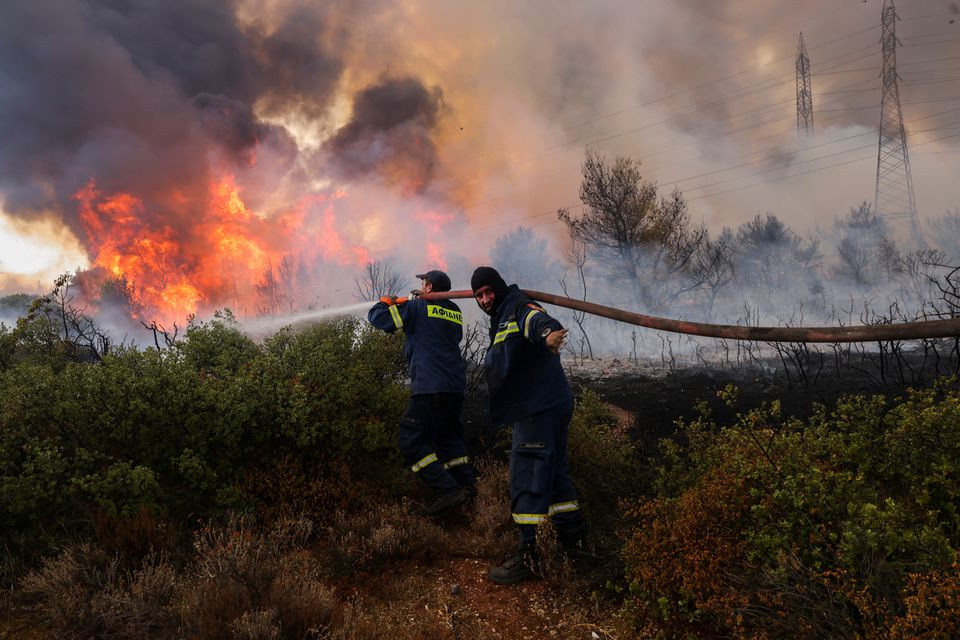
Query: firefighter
pixel 529 390
pixel 431 431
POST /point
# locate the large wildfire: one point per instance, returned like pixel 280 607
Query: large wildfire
pixel 233 163
pixel 246 154
pixel 228 255
pixel 224 257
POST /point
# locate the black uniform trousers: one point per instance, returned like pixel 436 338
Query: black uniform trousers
pixel 431 441
pixel 540 483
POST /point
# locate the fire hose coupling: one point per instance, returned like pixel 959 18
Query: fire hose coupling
pixel 392 300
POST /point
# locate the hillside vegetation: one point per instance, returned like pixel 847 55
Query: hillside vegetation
pixel 224 488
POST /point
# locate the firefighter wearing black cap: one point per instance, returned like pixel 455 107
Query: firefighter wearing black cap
pixel 431 432
pixel 528 388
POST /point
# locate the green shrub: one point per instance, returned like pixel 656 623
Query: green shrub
pixel 180 432
pixel 826 518
pixel 603 460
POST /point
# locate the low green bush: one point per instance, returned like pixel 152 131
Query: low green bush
pixel 604 462
pixel 777 527
pixel 177 432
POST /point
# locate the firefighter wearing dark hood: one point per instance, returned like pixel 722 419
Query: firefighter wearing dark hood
pixel 529 390
pixel 431 431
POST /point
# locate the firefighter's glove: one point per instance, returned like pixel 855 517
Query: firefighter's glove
pixel 415 293
pixel 392 300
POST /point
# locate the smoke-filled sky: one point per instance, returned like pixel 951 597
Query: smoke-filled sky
pixel 367 128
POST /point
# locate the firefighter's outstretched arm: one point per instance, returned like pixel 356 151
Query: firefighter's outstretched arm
pixel 388 314
pixel 540 328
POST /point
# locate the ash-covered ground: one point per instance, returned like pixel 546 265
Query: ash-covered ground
pixel 651 395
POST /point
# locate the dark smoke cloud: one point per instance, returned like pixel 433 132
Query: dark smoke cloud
pixel 302 71
pixel 236 128
pixel 194 44
pixel 390 132
pixel 134 94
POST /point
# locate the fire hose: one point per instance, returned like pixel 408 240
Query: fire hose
pixel 860 333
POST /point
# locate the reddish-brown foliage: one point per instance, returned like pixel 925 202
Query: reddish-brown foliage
pixel 684 556
pixel 932 607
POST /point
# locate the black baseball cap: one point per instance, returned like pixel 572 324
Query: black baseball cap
pixel 439 280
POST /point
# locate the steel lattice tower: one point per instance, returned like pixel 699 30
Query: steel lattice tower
pixel 894 194
pixel 804 90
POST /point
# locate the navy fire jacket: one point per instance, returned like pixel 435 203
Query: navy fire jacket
pixel 433 331
pixel 523 375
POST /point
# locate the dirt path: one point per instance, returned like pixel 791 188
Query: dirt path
pixel 454 600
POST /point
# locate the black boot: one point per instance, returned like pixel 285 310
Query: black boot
pixel 520 567
pixel 575 547
pixel 447 501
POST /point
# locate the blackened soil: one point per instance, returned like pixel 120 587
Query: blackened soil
pixel 658 397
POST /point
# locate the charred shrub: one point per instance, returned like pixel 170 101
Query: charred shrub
pixel 820 528
pixel 491 529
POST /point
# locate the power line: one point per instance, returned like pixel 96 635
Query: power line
pixel 722 98
pixel 818 158
pixel 689 109
pixel 950 126
pixel 710 195
pixel 927 117
pixel 763 123
pixel 830 166
pixel 761 86
pixel 704 139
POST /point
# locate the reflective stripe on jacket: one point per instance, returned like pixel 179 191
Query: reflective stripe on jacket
pixel 523 375
pixel 433 331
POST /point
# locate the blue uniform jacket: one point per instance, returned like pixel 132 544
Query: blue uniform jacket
pixel 523 375
pixel 433 332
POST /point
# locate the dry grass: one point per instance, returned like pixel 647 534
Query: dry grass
pixel 490 531
pixel 251 585
pixel 248 581
pixel 383 534
pixel 85 592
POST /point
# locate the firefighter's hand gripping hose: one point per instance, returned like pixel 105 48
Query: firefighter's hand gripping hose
pixel 863 333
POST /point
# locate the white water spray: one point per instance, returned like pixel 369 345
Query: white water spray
pixel 263 326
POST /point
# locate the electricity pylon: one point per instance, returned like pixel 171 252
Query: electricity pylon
pixel 894 196
pixel 804 91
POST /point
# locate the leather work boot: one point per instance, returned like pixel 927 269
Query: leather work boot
pixel 447 501
pixel 518 568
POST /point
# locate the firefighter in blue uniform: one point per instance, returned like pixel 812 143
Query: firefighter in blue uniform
pixel 431 431
pixel 529 390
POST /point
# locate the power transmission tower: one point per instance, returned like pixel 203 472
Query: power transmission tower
pixel 894 194
pixel 804 90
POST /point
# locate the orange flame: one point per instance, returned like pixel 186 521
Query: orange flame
pixel 221 258
pixel 435 223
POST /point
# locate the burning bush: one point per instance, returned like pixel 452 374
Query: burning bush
pixel 824 527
